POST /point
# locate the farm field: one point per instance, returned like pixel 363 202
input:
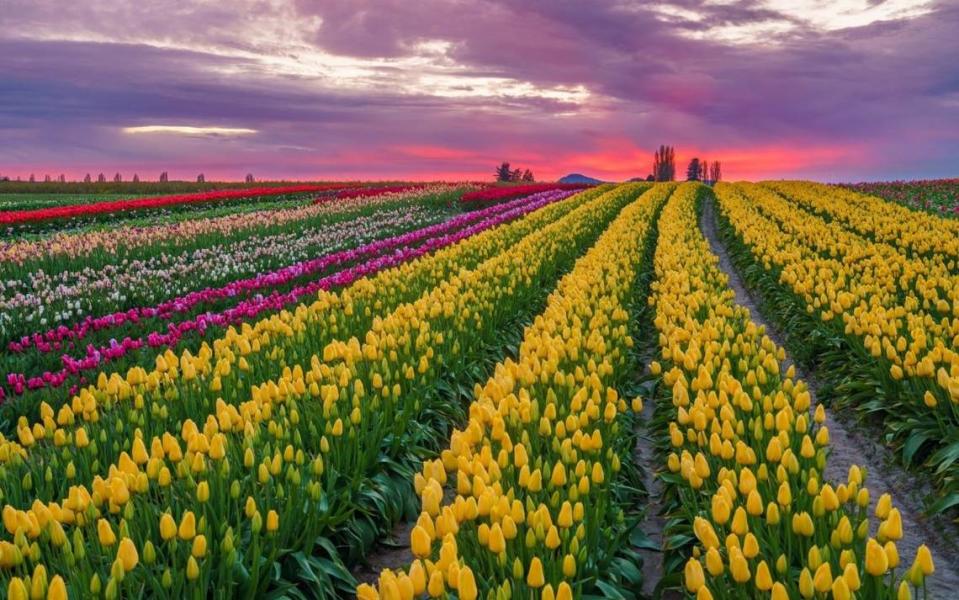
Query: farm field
pixel 940 196
pixel 457 390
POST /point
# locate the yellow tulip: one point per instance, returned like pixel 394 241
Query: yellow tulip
pixel 199 546
pixel 272 521
pixel 466 588
pixel 534 577
pixel 57 589
pixel 764 579
pixel 16 590
pixel 168 528
pixel 694 576
pixel 904 593
pixel 436 587
pixel 105 533
pixel 876 561
pixel 127 553
pixel 420 542
pixel 924 560
pixel 187 529
pixel 779 592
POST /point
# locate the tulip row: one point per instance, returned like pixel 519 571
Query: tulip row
pixel 236 302
pixel 937 195
pixel 229 369
pixel 537 511
pixel 96 209
pixel 306 330
pixel 237 507
pixel 746 456
pixel 498 194
pixel 57 300
pixel 879 324
pixel 101 248
pixel 908 230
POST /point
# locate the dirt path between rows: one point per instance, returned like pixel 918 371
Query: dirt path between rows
pixel 654 522
pixel 855 443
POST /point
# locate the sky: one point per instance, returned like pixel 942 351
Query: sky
pixel 841 90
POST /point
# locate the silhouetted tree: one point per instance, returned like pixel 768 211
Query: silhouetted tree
pixel 692 171
pixel 503 172
pixel 715 171
pixel 201 178
pixel 87 179
pixel 47 178
pixel 528 176
pixel 117 178
pixel 136 178
pixel 704 170
pixel 63 178
pixel 664 164
pixel 101 178
pixel 249 178
pixel 164 177
pixel 33 179
pixel 515 175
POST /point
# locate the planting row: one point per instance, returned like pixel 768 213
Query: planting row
pixel 542 471
pixel 17 219
pixel 286 288
pixel 747 497
pixel 304 433
pixel 937 195
pixel 20 259
pixel 879 323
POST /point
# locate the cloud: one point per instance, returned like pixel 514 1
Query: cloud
pixel 393 88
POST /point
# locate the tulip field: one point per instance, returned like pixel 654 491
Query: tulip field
pixel 442 390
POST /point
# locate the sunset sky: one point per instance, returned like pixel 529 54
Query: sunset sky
pixel 427 89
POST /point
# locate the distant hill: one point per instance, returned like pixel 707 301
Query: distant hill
pixel 578 178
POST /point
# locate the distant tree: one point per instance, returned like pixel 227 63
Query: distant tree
pixel 117 178
pixel 136 178
pixel 101 178
pixel 650 177
pixel 715 171
pixel 87 179
pixel 503 173
pixel 704 170
pixel 164 177
pixel 528 176
pixel 63 178
pixel 664 164
pixel 516 175
pixel 201 178
pixel 18 178
pixel 47 178
pixel 33 179
pixel 692 171
pixel 249 178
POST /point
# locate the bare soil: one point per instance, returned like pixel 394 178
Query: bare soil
pixel 854 442
pixel 393 553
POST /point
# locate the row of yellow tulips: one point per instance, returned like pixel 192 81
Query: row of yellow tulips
pixel 880 220
pixel 215 506
pixel 91 431
pixel 747 456
pixel 534 513
pixel 886 319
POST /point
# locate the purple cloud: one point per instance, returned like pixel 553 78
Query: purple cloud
pixel 438 88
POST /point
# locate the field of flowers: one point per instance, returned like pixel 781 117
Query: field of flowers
pixel 940 196
pixel 264 400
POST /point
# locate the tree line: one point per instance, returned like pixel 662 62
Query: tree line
pixel 699 169
pixel 664 169
pixel 102 178
pixel 504 173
